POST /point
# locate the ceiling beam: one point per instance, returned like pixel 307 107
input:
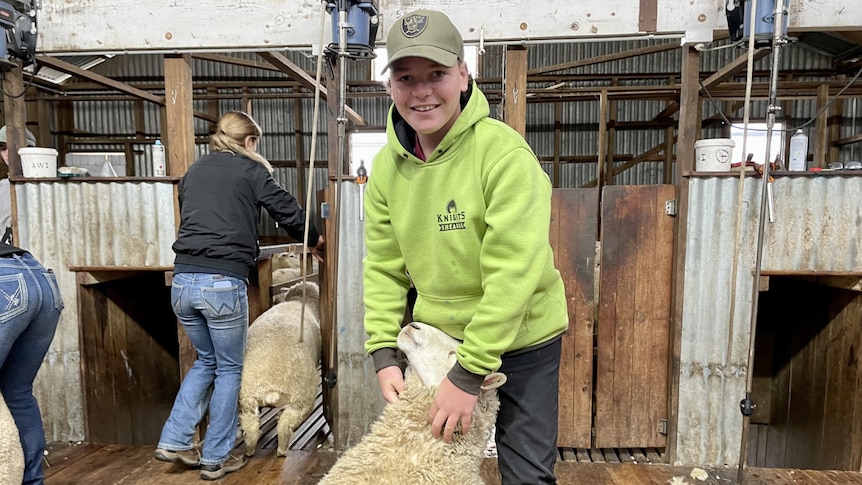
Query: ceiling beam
pixel 107 82
pixel 667 46
pixel 286 66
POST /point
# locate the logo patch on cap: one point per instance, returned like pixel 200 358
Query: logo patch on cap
pixel 413 25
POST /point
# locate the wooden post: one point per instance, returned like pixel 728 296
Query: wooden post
pixel 179 114
pixel 689 121
pixel 821 133
pixel 179 151
pixel 15 109
pixel 558 140
pixel 515 88
pixel 611 138
pixel 300 154
pixel 603 133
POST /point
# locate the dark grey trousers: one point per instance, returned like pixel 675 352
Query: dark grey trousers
pixel 527 421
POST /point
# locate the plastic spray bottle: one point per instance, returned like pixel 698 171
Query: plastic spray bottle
pixel 159 159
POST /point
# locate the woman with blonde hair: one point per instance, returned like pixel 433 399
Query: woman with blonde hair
pixel 220 198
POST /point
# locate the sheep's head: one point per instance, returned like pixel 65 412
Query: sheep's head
pixel 312 292
pixel 432 353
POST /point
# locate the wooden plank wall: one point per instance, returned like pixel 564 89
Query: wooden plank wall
pixel 573 237
pixel 634 316
pixel 129 358
pixel 815 396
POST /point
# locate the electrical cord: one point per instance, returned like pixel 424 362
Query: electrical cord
pixel 36 68
pixel 786 130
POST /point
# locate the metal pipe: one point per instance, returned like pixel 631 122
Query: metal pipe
pixel 336 202
pixel 746 403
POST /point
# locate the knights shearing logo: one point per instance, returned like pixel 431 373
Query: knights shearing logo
pixel 413 25
pixel 452 219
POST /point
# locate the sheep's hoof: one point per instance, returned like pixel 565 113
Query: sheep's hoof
pixel 249 452
pixel 281 452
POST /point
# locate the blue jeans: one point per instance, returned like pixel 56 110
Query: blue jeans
pixel 214 312
pixel 30 306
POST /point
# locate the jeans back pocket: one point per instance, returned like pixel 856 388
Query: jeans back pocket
pixel 14 298
pixel 221 302
pixel 51 278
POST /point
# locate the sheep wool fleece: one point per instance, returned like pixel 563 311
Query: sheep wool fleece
pixel 471 227
pixel 399 447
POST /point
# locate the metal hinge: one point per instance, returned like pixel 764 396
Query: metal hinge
pixel 670 207
pixel 662 426
pixel 324 210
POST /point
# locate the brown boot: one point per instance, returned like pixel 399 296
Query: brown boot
pixel 234 462
pixel 190 457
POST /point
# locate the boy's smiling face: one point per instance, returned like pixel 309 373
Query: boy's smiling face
pixel 428 95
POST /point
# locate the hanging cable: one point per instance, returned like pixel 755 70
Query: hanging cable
pixel 310 183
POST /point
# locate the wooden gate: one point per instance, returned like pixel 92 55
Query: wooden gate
pixel 631 335
pixel 574 219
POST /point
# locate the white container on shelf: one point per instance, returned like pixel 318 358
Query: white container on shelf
pixel 159 159
pixel 798 160
pixel 713 155
pixel 38 162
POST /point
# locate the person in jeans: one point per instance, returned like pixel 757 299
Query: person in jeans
pixel 220 198
pixel 30 306
pixel 459 207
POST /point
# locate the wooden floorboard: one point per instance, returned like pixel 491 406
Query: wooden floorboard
pixel 93 464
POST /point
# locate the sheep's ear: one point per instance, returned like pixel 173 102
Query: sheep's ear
pixel 493 381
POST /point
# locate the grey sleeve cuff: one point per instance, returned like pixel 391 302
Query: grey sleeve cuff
pixel 465 380
pixel 385 357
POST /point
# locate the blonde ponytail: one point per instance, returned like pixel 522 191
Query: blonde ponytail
pixel 232 130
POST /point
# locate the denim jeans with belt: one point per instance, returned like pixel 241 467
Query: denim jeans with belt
pixel 213 309
pixel 30 306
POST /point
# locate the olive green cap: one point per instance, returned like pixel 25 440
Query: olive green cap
pixel 425 33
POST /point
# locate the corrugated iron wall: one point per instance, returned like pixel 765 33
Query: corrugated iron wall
pixel 87 224
pixel 815 230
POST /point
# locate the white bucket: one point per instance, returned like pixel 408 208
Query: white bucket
pixel 713 155
pixel 38 161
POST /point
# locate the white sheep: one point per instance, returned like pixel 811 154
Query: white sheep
pixel 399 448
pixel 288 259
pixel 283 275
pixel 279 370
pixel 11 453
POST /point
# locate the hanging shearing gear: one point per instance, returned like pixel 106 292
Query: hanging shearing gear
pixel 360 30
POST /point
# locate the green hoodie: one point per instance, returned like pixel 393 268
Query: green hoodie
pixel 471 227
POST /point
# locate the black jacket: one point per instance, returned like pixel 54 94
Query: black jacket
pixel 220 200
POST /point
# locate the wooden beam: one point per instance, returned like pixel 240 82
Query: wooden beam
pixel 179 132
pixel 107 82
pixel 558 140
pixel 690 111
pixel 732 68
pixel 236 61
pixel 515 88
pixel 643 157
pixel 668 46
pixel 848 140
pixel 728 71
pixel 286 66
pixel 603 132
pixel 15 113
pixel 820 140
